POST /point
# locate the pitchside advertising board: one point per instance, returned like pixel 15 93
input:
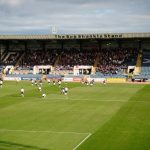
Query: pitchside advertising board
pixel 78 79
pixel 19 78
pixel 72 79
pixel 12 78
pixel 24 78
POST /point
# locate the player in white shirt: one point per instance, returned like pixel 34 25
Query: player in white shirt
pixel 59 83
pixel 22 92
pixel 43 95
pixel 54 83
pixel 66 90
pixel 82 81
pixel 49 81
pixel 63 90
pixel 35 82
pixel 92 82
pixel 40 89
pixel 87 83
pixel 104 82
pixel 32 82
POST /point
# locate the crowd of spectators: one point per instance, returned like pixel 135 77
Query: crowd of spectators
pixel 76 57
pixel 110 60
pixel 113 60
pixel 33 58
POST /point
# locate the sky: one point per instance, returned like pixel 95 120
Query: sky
pixel 74 16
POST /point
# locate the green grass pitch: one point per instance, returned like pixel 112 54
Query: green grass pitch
pixel 101 117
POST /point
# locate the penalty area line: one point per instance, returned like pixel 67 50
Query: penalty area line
pixel 82 141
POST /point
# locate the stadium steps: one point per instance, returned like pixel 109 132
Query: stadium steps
pixel 138 64
pixel 21 56
pixel 4 55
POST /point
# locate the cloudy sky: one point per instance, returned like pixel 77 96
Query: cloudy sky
pixel 74 16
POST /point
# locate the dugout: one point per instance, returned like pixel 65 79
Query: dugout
pixel 42 69
pixel 82 70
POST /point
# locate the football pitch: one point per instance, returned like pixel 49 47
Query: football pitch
pixel 98 117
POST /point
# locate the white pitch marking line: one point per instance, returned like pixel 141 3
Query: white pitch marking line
pixel 97 100
pixel 67 98
pixel 109 100
pixel 82 141
pixel 36 131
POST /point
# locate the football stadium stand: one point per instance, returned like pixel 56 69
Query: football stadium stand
pixel 110 55
pixel 111 61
